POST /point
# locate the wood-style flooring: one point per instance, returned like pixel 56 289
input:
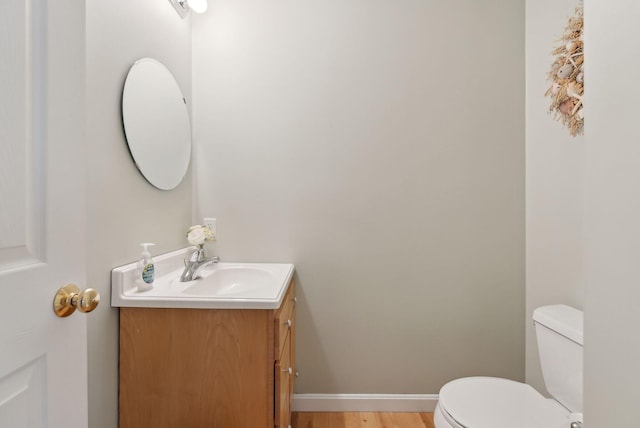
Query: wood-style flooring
pixel 361 420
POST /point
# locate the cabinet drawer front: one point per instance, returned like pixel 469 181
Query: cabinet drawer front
pixel 284 320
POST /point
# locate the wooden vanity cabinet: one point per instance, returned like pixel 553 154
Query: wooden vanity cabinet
pixel 197 368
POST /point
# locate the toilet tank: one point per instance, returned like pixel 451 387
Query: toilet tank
pixel 559 335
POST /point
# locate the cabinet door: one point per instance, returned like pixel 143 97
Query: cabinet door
pixel 284 376
pixel 195 368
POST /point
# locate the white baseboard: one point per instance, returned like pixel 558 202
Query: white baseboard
pixel 364 402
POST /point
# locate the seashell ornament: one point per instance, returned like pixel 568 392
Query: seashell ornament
pixel 573 90
pixel 565 71
pixel 566 106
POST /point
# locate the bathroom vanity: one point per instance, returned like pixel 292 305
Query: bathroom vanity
pixel 207 367
pixel 223 362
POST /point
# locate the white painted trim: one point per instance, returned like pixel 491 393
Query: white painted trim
pixel 364 402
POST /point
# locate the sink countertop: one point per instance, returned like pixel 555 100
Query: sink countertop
pixel 222 286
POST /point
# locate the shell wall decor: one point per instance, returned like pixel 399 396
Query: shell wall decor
pixel 567 76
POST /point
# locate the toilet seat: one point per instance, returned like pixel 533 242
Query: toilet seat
pixel 487 402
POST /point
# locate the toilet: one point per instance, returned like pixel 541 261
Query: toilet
pixel 489 402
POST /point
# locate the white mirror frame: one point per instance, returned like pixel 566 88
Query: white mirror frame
pixel 156 124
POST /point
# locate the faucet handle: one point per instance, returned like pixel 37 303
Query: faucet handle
pixel 215 259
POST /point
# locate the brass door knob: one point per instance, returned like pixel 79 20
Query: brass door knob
pixel 69 298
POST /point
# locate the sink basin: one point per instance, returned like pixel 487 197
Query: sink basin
pixel 221 285
pixel 240 280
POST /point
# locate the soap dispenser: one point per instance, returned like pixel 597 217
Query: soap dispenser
pixel 145 269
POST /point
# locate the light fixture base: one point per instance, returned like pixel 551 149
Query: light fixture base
pixel 181 7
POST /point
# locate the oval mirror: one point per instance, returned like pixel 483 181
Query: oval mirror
pixel 156 123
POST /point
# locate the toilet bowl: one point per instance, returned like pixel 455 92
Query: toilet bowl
pixel 489 402
pixel 486 402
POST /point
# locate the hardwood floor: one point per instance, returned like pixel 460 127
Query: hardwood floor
pixel 362 420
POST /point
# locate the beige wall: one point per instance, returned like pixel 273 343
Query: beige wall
pixel 555 183
pixel 612 226
pixel 123 209
pixel 379 146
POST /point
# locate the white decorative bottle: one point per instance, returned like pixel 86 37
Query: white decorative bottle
pixel 145 269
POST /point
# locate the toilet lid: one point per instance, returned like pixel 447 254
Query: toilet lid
pixel 485 402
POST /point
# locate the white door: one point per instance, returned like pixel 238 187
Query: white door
pixel 43 358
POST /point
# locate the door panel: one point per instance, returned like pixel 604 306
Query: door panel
pixel 22 396
pixel 22 48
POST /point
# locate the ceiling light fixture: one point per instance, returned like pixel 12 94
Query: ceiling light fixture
pixel 183 6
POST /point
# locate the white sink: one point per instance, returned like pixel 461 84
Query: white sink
pixel 221 285
pixel 239 280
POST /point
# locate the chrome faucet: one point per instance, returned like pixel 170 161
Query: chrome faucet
pixel 196 262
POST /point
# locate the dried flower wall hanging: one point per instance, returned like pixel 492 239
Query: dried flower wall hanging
pixel 567 76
